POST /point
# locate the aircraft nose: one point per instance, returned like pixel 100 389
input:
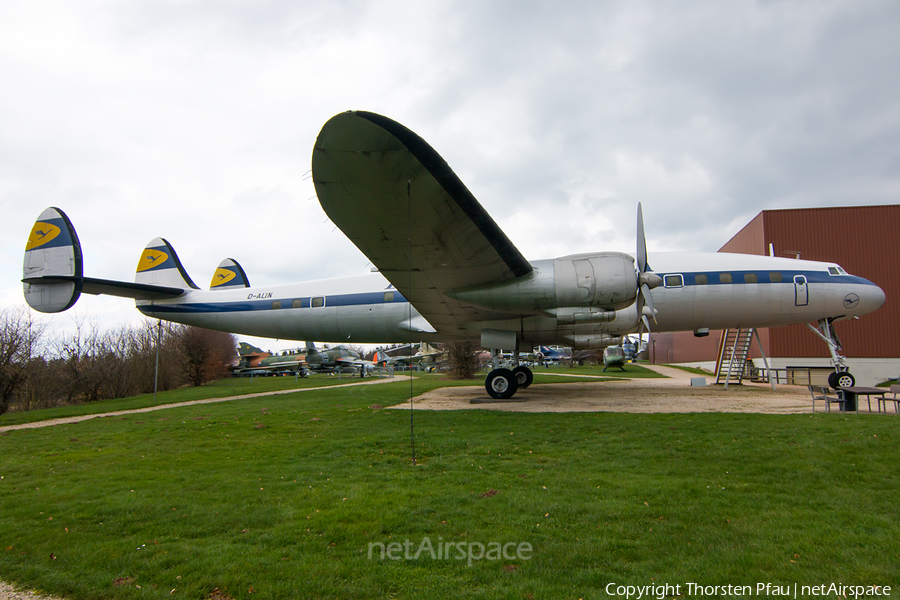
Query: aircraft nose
pixel 865 299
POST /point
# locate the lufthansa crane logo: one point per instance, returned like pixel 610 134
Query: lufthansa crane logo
pixel 151 259
pixel 222 276
pixel 42 233
pixel 851 300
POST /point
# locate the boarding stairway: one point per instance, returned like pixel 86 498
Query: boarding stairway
pixel 732 365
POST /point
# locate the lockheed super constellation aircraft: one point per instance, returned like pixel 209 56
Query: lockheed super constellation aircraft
pixel 447 272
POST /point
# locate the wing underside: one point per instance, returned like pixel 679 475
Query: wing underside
pixel 408 212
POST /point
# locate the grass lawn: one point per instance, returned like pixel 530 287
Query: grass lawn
pixel 288 496
pixel 246 385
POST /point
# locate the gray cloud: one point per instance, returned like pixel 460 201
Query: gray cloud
pixel 196 120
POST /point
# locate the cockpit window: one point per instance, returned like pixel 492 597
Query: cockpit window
pixel 833 271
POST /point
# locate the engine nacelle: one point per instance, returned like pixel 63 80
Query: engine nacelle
pixel 605 281
pixel 590 342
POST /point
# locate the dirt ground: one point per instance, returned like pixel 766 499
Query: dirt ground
pixel 674 394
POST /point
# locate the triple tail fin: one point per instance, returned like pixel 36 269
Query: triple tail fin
pixel 229 274
pixel 53 271
pixel 159 265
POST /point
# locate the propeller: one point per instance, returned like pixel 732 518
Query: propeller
pixel 647 280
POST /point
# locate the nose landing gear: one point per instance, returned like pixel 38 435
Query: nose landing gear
pixel 841 377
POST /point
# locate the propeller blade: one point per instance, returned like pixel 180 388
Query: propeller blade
pixel 648 302
pixel 641 242
pixel 646 280
pixel 645 322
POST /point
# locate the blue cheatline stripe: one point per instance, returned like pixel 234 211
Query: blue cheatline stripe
pixel 361 299
pixel 713 277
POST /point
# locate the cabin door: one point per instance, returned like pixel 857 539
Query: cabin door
pixel 801 291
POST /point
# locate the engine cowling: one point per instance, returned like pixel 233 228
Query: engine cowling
pixel 604 281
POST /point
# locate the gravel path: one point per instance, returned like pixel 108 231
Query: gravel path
pixel 64 420
pixel 8 592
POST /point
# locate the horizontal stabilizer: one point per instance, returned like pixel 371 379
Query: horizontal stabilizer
pixel 159 265
pixel 229 275
pixel 53 273
pixel 126 289
pixel 53 267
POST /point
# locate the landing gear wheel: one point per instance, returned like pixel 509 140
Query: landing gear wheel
pixel 524 376
pixel 843 379
pixel 501 384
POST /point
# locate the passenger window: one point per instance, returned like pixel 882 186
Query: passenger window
pixel 775 277
pixel 389 296
pixel 298 303
pixel 750 278
pixel 724 277
pixel 317 302
pixel 672 281
pixel 701 279
pixel 276 305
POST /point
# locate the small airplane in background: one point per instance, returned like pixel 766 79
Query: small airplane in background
pixel 546 354
pixel 402 356
pixel 331 360
pixel 337 359
pixel 447 272
pixel 254 361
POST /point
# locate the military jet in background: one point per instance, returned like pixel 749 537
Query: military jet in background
pixel 402 356
pixel 339 359
pixel 254 361
pixel 546 354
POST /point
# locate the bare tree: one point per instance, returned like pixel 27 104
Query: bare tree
pixel 463 357
pixel 205 353
pixel 20 337
pixel 87 361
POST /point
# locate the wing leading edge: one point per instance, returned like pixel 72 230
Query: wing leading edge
pixel 403 206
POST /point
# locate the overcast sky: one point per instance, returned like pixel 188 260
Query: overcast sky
pixel 195 121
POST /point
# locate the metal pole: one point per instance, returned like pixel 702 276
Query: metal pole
pixel 156 370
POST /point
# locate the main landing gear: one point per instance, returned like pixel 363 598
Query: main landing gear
pixel 501 383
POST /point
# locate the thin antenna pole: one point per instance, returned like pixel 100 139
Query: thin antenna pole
pixel 412 437
pixel 156 370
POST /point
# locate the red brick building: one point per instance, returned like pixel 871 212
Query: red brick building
pixel 863 240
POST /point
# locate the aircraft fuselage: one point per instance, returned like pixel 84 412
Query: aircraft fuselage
pixel 712 290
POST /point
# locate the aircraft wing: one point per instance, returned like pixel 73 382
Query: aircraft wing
pixel 407 211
